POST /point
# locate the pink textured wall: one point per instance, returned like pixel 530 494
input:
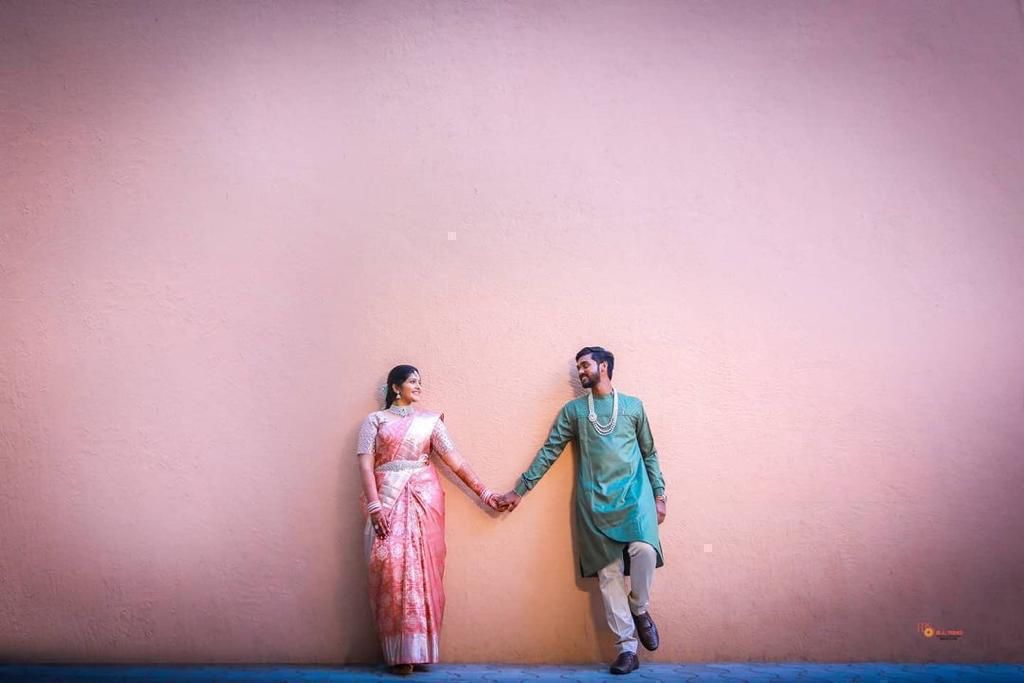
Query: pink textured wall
pixel 798 225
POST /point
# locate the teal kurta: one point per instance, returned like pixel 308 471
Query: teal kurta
pixel 617 480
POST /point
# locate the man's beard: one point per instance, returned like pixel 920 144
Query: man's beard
pixel 588 381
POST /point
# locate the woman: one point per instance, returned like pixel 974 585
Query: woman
pixel 405 519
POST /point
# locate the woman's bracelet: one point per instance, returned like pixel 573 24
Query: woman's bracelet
pixel 373 506
pixel 486 495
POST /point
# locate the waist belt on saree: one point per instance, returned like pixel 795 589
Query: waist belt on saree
pixel 399 465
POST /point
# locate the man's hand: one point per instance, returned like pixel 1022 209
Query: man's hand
pixel 659 505
pixel 509 501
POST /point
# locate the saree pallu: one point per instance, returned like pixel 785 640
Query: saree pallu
pixel 406 569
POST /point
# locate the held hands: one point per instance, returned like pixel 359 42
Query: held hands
pixel 659 505
pixel 500 502
pixel 508 502
pixel 495 501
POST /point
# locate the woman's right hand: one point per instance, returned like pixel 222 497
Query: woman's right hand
pixel 380 524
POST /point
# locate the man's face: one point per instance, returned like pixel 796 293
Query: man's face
pixel 589 371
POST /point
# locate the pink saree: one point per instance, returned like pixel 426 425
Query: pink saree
pixel 406 569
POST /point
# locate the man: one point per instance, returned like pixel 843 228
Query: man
pixel 620 499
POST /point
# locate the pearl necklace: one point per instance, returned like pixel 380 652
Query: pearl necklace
pixel 404 411
pixel 603 430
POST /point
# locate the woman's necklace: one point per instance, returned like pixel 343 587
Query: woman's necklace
pixel 404 411
pixel 603 430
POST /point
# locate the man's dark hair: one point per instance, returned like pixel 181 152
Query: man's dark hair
pixel 600 355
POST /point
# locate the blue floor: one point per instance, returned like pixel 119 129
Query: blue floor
pixel 879 672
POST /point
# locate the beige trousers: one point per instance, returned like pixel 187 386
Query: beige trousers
pixel 621 604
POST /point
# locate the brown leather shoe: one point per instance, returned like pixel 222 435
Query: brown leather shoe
pixel 646 631
pixel 625 663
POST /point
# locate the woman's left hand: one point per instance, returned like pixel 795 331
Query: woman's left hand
pixel 380 524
